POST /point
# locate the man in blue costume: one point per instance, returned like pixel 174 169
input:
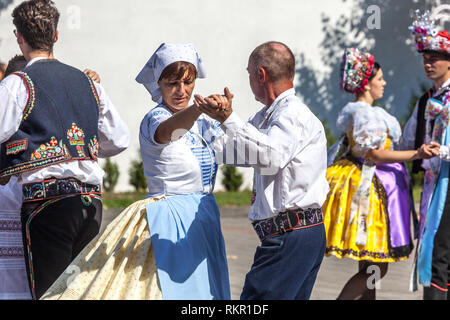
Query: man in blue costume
pixel 429 123
pixel 55 123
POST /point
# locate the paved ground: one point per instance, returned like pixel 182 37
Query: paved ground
pixel 241 242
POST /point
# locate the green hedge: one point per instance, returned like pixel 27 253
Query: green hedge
pixel 123 200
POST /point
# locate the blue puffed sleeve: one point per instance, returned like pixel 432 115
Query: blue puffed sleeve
pixel 152 121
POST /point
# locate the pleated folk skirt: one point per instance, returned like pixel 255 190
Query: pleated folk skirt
pixel 388 220
pixel 119 264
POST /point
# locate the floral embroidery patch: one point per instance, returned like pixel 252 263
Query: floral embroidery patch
pixel 75 135
pixel 76 138
pixel 49 150
pixel 93 147
pixel 15 147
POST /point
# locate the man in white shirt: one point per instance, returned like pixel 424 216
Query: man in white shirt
pixel 285 144
pixel 55 122
pixel 433 254
pixel 2 70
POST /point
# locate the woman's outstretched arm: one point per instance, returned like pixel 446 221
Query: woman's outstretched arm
pixel 391 156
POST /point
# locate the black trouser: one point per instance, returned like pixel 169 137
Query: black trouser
pixel 54 233
pixel 440 268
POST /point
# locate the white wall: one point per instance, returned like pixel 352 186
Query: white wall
pixel 116 38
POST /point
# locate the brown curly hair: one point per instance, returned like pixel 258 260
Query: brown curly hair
pixel 37 22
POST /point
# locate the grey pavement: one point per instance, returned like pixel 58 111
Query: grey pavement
pixel 241 242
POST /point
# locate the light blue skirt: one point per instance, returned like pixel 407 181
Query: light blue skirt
pixel 189 248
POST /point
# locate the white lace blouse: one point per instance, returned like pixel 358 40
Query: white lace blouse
pixel 371 126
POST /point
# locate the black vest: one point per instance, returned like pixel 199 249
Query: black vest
pixel 59 123
pixel 420 129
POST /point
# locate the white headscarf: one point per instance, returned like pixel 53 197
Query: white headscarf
pixel 166 54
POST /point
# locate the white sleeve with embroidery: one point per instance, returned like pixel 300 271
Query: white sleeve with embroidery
pixel 13 99
pixel 113 133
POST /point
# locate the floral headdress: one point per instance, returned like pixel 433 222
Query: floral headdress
pixel 427 36
pixel 356 69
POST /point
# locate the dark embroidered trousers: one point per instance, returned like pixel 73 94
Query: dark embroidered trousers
pixel 54 233
pixel 285 266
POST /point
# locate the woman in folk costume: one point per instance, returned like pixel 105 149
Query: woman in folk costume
pixel 13 273
pixel 429 123
pixel 13 276
pixel 170 245
pixel 367 213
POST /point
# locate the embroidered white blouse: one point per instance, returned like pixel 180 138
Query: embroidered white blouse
pixel 181 167
pixel 286 146
pixel 113 134
pixel 370 126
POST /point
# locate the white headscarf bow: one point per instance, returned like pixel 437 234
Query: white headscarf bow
pixel 166 54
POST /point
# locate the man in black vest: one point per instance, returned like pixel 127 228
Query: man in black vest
pixel 55 122
pixel 434 240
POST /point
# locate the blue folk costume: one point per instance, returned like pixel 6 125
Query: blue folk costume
pixel 434 120
pixel 432 124
pixel 169 245
pixel 185 225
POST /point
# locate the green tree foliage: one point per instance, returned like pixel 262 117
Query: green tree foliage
pixel 111 175
pixel 331 138
pixel 232 179
pixel 136 173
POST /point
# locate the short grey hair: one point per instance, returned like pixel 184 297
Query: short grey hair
pixel 276 58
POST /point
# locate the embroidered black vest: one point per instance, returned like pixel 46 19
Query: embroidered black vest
pixel 420 129
pixel 59 123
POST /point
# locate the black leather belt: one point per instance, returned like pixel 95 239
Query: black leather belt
pixel 54 188
pixel 288 221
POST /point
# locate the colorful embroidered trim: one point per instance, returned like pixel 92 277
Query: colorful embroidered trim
pixel 15 147
pixel 32 165
pixel 93 148
pixel 57 188
pixel 28 238
pixel 362 254
pixel 10 225
pixel 76 138
pixel 11 252
pixel 94 91
pixel 288 221
pixel 31 94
